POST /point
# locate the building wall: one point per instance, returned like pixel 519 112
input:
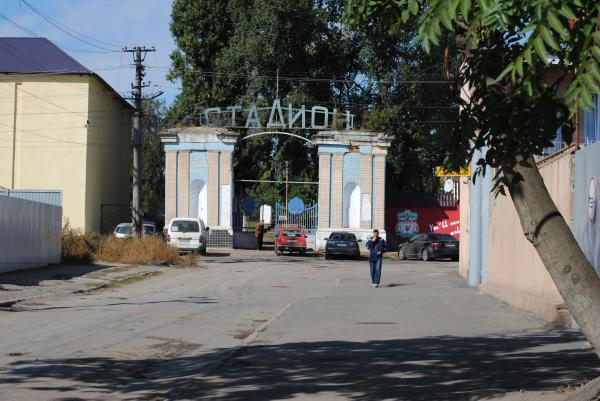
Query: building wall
pixel 109 153
pixel 50 137
pixel 515 272
pixel 465 199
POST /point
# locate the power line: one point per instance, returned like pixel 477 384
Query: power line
pixel 58 25
pixel 59 44
pixel 302 79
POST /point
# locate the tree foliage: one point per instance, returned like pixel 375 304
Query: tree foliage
pixel 528 65
pixel 230 53
pixel 153 157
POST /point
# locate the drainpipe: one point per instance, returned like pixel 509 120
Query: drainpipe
pixel 330 189
pixel 14 139
pixel 475 229
pixel 219 188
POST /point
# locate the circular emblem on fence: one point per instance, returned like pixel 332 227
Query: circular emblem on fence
pixel 592 200
pixel 295 206
pixel 248 205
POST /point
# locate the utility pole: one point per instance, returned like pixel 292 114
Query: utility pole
pixel 139 54
pixel 287 174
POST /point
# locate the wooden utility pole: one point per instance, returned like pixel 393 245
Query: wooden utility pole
pixel 139 54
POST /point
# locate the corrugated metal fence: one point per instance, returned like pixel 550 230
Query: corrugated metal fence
pixel 30 233
pixel 48 197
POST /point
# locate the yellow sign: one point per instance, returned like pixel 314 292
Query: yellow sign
pixel 441 172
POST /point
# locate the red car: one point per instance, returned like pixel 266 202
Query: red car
pixel 290 239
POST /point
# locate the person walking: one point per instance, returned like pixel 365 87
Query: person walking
pixel 259 234
pixel 376 246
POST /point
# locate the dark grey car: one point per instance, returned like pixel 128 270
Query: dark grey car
pixel 430 246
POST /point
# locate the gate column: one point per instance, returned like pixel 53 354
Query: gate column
pixel 351 182
pixel 199 177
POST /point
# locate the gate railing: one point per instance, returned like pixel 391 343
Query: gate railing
pixel 308 219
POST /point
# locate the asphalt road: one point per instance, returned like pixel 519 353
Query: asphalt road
pixel 245 325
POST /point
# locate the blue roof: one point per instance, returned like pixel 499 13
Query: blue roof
pixel 36 55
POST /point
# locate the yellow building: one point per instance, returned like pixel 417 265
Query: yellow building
pixel 62 127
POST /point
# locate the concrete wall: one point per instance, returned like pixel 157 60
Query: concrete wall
pixel 515 272
pixel 465 199
pixel 586 216
pixel 109 155
pixel 67 132
pixel 30 234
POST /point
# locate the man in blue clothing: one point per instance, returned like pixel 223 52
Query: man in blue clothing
pixel 376 247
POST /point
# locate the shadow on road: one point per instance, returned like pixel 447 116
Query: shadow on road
pixel 432 368
pixel 32 277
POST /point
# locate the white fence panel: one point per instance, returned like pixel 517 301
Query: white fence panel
pixel 30 234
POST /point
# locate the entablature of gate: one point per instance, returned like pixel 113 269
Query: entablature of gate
pixel 360 141
pixel 199 138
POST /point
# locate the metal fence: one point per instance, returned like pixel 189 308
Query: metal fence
pixel 45 196
pixel 308 219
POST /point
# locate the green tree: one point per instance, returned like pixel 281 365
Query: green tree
pixel 153 156
pixel 515 55
pixel 231 55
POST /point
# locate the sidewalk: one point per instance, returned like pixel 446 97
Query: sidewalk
pixel 34 284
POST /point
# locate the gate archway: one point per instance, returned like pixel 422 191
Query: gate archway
pixel 351 193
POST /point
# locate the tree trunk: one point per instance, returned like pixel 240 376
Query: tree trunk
pixel 553 240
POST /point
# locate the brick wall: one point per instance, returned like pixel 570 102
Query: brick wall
pixel 170 185
pixel 336 192
pixel 184 183
pixel 324 189
pixel 213 196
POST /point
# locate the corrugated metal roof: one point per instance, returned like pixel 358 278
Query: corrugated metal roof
pixel 50 197
pixel 36 55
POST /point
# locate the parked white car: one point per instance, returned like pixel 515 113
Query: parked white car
pixel 127 230
pixel 123 230
pixel 187 234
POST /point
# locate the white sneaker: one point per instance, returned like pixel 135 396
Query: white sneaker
pixel 375 285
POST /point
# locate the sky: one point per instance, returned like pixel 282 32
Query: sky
pixel 111 25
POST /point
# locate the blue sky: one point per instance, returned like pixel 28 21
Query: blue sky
pixel 118 22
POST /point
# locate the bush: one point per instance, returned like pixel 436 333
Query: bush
pixel 78 247
pixel 137 250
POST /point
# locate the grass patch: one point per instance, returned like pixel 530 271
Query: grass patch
pixel 137 250
pixel 84 248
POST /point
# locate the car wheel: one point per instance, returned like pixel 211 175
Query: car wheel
pixel 401 254
pixel 426 256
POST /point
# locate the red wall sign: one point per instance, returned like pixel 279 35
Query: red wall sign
pixel 404 222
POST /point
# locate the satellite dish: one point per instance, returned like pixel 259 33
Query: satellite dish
pixel 449 185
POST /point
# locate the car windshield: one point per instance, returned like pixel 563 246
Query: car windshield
pixel 148 230
pixel 292 233
pixel 123 230
pixel 443 237
pixel 342 237
pixel 187 226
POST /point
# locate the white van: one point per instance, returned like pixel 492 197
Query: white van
pixel 187 234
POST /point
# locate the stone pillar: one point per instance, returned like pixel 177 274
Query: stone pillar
pixel 337 183
pixel 365 187
pixel 325 162
pixel 183 169
pixel 379 192
pixel 226 188
pixel 170 185
pixel 213 195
